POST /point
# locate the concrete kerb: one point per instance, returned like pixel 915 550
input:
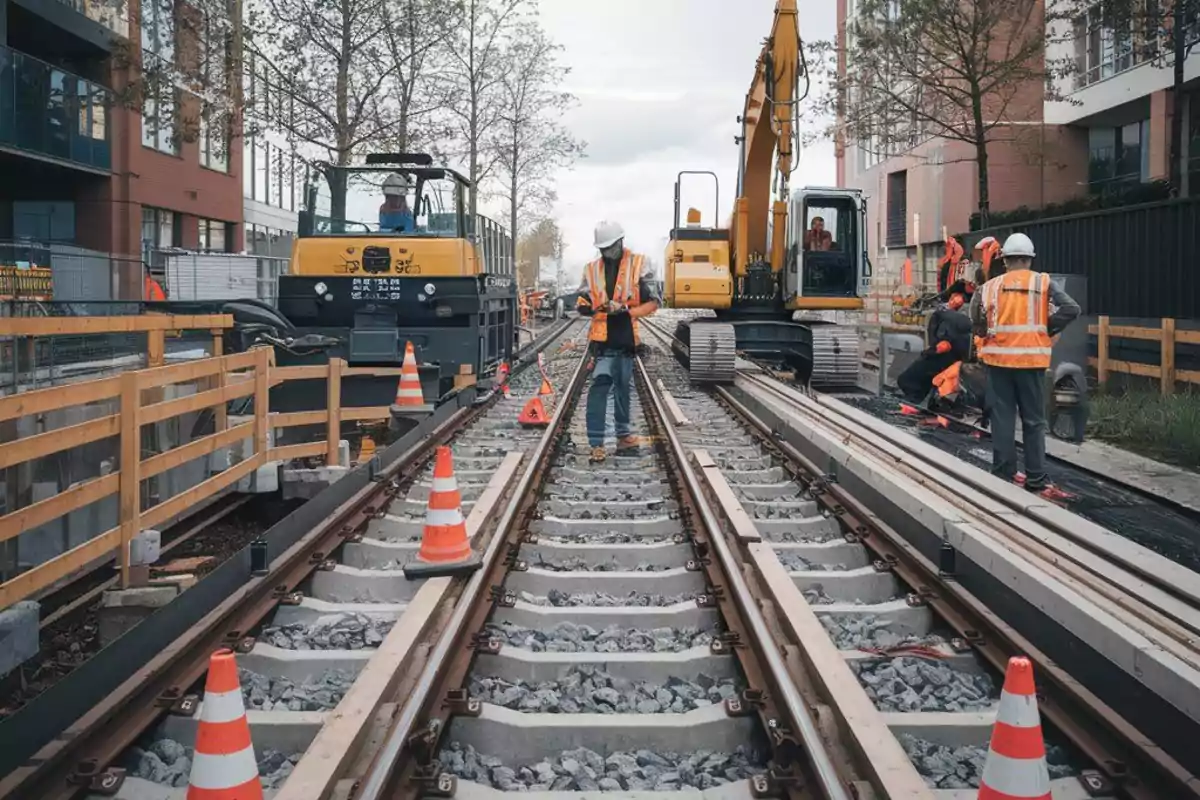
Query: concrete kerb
pixel 517 664
pixel 519 738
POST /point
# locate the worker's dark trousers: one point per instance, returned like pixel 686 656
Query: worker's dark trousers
pixel 917 380
pixel 613 371
pixel 1010 391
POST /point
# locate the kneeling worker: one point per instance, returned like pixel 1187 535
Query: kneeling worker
pixel 949 341
pixel 1017 314
pixel 615 293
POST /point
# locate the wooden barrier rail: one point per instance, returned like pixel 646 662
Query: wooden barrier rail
pixel 1168 337
pixel 139 393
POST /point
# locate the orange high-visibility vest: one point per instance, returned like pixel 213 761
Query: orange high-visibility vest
pixel 154 290
pixel 1017 307
pixel 625 291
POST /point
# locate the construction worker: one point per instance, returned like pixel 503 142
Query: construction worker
pixel 615 292
pixel 1017 313
pixel 394 213
pixel 948 340
pixel 153 289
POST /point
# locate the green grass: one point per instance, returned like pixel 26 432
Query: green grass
pixel 1166 428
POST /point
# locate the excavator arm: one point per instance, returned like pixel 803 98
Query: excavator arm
pixel 768 128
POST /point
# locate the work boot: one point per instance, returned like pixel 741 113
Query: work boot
pixel 598 455
pixel 628 444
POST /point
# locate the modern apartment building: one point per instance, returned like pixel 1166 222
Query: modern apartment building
pixel 85 160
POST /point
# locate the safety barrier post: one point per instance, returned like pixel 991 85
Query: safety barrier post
pixel 1167 378
pixel 220 412
pixel 1102 350
pixel 333 401
pixel 130 469
pixel 262 388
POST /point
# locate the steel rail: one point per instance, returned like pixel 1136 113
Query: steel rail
pixel 831 785
pixel 378 781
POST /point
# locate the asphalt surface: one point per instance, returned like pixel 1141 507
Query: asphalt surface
pixel 1151 523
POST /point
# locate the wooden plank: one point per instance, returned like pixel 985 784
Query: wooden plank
pixel 80 326
pixel 300 373
pixel 1135 332
pixel 1130 368
pixel 302 450
pixel 358 413
pixel 201 491
pixel 262 368
pixel 333 407
pixel 40 401
pixel 375 372
pixel 1167 357
pixel 130 472
pixel 291 419
pixel 220 413
pixel 50 572
pixel 1187 337
pixel 739 520
pixel 44 444
pixel 1102 352
pixel 193 370
pixel 64 502
pixel 158 464
pixel 182 405
pixel 1188 375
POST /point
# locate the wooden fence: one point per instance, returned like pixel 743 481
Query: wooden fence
pixel 1164 371
pixel 220 379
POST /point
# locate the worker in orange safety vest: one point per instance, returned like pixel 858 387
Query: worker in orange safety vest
pixel 154 290
pixel 615 292
pixel 1017 313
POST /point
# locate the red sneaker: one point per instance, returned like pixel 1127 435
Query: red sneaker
pixel 1055 494
pixel 1019 479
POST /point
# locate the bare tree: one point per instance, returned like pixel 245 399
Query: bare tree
pixel 326 66
pixel 964 71
pixel 529 144
pixel 543 240
pixel 417 32
pixel 478 63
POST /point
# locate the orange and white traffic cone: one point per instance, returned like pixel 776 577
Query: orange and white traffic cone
pixel 533 415
pixel 445 548
pixel 224 766
pixel 1016 759
pixel 409 398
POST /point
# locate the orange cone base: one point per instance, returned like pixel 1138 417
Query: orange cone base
pixel 412 411
pixel 534 415
pixel 440 569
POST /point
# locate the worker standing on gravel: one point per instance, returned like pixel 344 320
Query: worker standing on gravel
pixel 615 292
pixel 1017 314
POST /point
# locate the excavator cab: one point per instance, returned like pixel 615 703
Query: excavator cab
pixel 827 253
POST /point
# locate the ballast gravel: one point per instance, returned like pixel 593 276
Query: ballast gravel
pixel 868 631
pixel 907 683
pixel 590 690
pixel 608 537
pixel 568 637
pixel 344 631
pixel 264 693
pixel 585 770
pixel 945 767
pixel 580 564
pixel 798 563
pixel 561 599
pixel 169 763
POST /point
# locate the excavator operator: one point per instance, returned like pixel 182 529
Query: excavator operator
pixel 394 213
pixel 615 292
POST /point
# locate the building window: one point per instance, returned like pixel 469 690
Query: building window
pixel 897 209
pixel 1118 156
pixel 160 228
pixel 215 235
pixel 214 44
pixel 160 98
pixel 214 139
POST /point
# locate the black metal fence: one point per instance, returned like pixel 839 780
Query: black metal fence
pixel 1140 261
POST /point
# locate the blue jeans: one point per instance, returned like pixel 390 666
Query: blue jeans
pixel 613 370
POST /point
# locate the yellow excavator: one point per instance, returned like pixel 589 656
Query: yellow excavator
pixel 786 264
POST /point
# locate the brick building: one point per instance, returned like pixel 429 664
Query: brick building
pixel 81 165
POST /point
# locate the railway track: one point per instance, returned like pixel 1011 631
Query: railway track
pixel 712 615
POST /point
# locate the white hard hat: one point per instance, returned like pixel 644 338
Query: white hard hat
pixel 395 184
pixel 1018 245
pixel 608 233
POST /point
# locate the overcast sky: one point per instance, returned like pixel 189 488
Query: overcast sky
pixel 660 85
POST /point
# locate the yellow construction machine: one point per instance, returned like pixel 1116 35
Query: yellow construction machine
pixel 785 265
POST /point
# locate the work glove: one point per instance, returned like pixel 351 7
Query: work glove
pixel 943 347
pixel 615 308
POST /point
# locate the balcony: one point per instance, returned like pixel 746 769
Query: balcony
pixel 112 14
pixel 51 112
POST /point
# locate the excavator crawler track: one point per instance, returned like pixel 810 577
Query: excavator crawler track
pixel 712 351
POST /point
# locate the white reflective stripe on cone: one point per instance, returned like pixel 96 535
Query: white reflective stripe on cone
pixel 224 771
pixel 1018 711
pixel 443 517
pixel 222 706
pixel 1016 777
pixel 409 391
pixel 444 485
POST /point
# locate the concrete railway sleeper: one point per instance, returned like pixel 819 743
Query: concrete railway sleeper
pixel 928 653
pixel 306 631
